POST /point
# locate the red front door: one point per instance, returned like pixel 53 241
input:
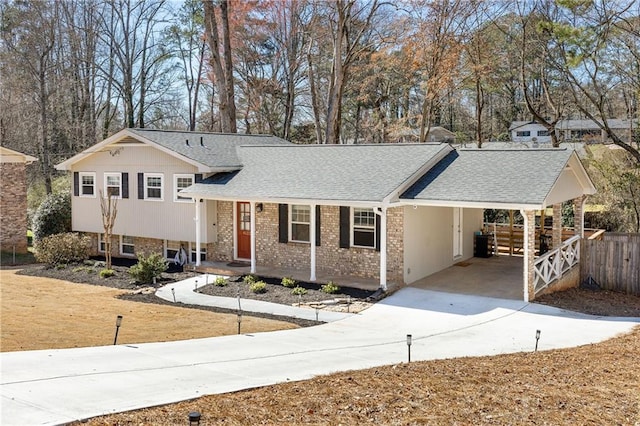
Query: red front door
pixel 243 226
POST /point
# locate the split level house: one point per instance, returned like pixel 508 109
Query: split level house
pixel 390 212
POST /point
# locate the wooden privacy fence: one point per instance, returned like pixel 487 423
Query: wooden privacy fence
pixel 510 238
pixel 613 262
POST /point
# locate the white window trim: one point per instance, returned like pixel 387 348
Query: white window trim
pixel 81 186
pixel 291 223
pixel 122 244
pixel 100 242
pixel 176 198
pixel 106 188
pixel 146 186
pixel 352 228
pixel 192 252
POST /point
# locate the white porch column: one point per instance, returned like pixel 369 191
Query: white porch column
pixel 312 242
pixel 529 234
pixel 197 220
pixel 556 233
pixel 578 215
pixel 383 247
pixel 253 236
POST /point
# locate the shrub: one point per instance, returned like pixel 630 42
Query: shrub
pixel 299 291
pixel 148 268
pixel 62 249
pixel 81 269
pixel 249 279
pixel 220 282
pixel 53 216
pixel 106 273
pixel 258 287
pixel 288 282
pixel 330 288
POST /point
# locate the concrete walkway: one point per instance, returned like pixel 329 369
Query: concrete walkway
pixel 58 386
pixel 184 292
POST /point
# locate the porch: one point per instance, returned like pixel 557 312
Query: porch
pixel 243 268
pixel 496 276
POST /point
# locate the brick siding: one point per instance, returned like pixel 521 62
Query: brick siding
pixel 13 207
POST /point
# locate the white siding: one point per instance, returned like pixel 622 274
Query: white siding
pixel 166 220
pixel 428 238
pixel 534 130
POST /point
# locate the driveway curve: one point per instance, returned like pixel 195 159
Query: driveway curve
pixel 59 386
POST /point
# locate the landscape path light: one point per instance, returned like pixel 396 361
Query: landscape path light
pixel 239 320
pixel 194 418
pixel 118 324
pixel 409 347
pixel 173 291
pixel 537 338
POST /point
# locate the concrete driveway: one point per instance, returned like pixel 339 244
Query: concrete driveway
pixel 58 386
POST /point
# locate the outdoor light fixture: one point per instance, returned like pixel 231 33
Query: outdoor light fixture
pixel 409 347
pixel 173 291
pixel 194 418
pixel 118 324
pixel 239 320
pixel 196 284
pixel 537 338
pixel 259 207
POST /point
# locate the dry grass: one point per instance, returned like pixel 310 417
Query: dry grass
pixel 589 385
pixel 45 313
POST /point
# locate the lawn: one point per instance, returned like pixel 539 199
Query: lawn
pixel 46 313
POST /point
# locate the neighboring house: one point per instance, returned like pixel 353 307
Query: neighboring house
pixel 435 134
pixel 572 131
pixel 394 212
pixel 13 200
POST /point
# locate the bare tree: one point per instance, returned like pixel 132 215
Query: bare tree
pixel 109 211
pixel 221 62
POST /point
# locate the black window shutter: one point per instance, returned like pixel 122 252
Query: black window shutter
pixel 283 223
pixel 125 185
pixel 140 186
pixel 345 225
pixel 378 219
pixel 76 183
pixel 198 178
pixel 318 226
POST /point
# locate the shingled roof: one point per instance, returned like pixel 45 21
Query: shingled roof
pixel 210 152
pixel 324 173
pixel 486 176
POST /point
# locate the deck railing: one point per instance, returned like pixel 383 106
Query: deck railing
pixel 553 264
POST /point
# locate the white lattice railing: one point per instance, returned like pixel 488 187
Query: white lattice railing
pixel 553 264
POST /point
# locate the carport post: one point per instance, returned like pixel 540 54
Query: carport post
pixel 529 234
pixel 382 212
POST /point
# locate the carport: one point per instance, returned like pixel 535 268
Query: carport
pixel 471 180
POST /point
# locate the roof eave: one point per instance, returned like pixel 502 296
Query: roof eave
pixel 471 204
pixel 284 200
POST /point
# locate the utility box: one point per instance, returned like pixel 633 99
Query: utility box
pixel 481 245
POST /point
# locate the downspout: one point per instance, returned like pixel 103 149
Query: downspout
pixel 253 236
pixel 382 212
pixel 312 241
pixel 197 220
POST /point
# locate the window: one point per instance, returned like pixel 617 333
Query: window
pixel 203 252
pixel 87 185
pixel 172 248
pixel 300 223
pixel 543 133
pixel 113 185
pixel 181 182
pixel 523 133
pixel 153 186
pixel 364 227
pixel 101 245
pixel 127 245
